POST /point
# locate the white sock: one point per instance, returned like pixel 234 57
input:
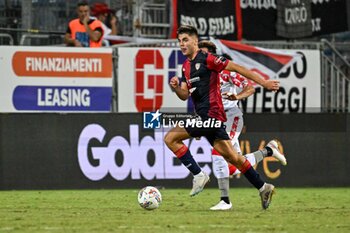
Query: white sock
pixel 224 186
pixel 251 158
pixel 262 188
pixel 260 155
pixel 199 174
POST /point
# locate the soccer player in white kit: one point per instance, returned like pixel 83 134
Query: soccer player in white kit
pixel 233 87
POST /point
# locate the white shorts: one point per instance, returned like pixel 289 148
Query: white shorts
pixel 234 126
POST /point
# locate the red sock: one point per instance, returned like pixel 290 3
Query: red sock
pixel 232 169
pixel 245 167
pixel 181 152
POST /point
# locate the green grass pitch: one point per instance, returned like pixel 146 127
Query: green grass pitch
pixel 292 210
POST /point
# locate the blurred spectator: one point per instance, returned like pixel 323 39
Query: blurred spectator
pixel 107 16
pixel 131 17
pixel 126 17
pixel 84 31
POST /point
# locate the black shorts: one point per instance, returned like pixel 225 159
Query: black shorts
pixel 211 134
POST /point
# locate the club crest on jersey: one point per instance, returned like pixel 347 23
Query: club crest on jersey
pixel 197 66
pixel 192 90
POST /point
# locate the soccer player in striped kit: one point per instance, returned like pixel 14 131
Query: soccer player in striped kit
pixel 230 82
pixel 200 81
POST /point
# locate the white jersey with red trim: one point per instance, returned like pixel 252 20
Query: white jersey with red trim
pixel 234 83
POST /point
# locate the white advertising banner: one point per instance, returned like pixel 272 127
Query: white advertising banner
pixel 144 74
pixel 300 88
pixel 39 79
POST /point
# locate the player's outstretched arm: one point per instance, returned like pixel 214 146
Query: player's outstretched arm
pixel 180 90
pixel 272 85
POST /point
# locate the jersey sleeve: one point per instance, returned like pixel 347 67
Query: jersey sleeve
pixel 182 79
pixel 243 82
pixel 216 63
pixel 238 80
pixel 183 75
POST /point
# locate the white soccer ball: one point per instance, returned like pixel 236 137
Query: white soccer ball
pixel 149 198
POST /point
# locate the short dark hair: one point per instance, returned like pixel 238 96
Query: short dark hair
pixel 207 44
pixel 82 3
pixel 188 29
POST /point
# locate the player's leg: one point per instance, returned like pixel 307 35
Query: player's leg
pixel 236 130
pixel 221 172
pixel 225 148
pixel 174 140
pixel 253 158
pixel 221 167
pixel 270 150
pixel 234 133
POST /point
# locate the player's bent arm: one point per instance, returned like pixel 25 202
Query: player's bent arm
pixel 180 90
pixel 246 92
